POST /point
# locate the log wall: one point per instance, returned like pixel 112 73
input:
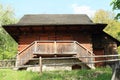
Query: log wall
pixel 82 38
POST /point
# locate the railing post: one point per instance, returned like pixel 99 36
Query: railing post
pixel 55 47
pixel 35 50
pixel 91 60
pixel 75 47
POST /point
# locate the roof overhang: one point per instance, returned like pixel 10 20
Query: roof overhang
pixel 112 38
pixel 15 30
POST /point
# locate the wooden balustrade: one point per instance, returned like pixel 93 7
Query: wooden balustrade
pixel 54 47
pixel 25 54
pixel 82 51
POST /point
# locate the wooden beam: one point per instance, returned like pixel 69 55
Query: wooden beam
pixel 19 30
pixel 43 29
pixel 31 30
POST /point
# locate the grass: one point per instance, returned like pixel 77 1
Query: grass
pixel 98 74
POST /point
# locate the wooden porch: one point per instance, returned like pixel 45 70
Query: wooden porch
pixel 54 49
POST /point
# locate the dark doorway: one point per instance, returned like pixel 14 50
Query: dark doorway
pixel 76 66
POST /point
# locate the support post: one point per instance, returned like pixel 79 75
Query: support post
pixel 116 71
pixel 75 47
pixel 55 47
pixel 40 64
pixel 35 46
pixel 17 61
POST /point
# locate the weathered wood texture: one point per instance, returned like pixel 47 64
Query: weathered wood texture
pixel 99 43
pixel 104 45
pixel 52 34
pixel 54 49
pixel 116 71
pixel 99 52
pixel 7 63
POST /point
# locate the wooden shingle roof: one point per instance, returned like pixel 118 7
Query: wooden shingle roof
pixel 54 19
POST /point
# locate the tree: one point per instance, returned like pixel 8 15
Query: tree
pixel 8 47
pixel 102 16
pixel 116 6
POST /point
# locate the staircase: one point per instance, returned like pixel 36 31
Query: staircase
pixel 51 49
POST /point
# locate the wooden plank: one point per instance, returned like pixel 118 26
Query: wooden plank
pixel 52 55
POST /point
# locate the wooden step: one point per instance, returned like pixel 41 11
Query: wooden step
pixel 54 55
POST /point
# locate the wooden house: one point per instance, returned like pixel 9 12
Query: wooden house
pixel 61 40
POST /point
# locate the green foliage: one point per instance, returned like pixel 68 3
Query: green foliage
pixel 113 27
pixel 8 47
pixel 116 6
pixel 98 74
pixel 102 16
pixel 7 74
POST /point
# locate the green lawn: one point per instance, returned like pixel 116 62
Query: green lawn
pixel 98 74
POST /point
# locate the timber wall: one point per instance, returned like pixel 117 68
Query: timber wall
pixel 82 38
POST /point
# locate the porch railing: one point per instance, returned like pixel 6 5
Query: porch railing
pixel 54 47
pixel 85 55
pixel 25 54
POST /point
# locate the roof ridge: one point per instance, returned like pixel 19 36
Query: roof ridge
pixel 55 14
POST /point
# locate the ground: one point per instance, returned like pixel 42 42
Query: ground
pixel 98 74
